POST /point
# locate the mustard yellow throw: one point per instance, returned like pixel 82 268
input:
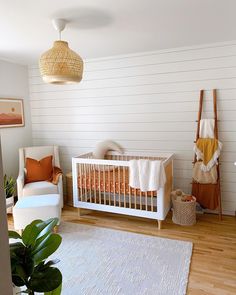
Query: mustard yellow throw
pixel 207 150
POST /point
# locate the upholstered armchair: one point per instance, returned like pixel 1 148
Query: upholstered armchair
pixel 39 187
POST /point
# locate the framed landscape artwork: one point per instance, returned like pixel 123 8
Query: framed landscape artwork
pixel 11 112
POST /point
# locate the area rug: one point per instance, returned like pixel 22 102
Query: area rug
pixel 99 261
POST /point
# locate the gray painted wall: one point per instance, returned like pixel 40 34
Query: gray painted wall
pixel 5 272
pixel 14 84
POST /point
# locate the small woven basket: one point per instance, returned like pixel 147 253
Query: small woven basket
pixel 184 213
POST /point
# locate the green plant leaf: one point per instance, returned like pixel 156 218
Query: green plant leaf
pixel 47 226
pixel 14 262
pixel 43 227
pixel 16 245
pixel 28 257
pixel 31 232
pixel 48 246
pixel 17 248
pixel 44 265
pixel 47 280
pixel 57 291
pixel 28 265
pixel 40 242
pixel 37 229
pixel 9 184
pixel 17 280
pixel 22 266
pixel 20 272
pixel 13 235
pixel 52 262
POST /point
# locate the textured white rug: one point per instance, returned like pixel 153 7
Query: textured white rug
pixel 98 261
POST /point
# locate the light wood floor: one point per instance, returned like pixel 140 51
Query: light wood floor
pixel 213 265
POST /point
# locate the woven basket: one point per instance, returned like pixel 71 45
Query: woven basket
pixel 184 213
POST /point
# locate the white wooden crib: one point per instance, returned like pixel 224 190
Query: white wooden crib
pixel 104 185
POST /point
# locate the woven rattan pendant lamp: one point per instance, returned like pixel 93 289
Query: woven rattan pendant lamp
pixel 60 64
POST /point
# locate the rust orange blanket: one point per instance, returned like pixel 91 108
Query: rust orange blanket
pixel 109 181
pixel 56 173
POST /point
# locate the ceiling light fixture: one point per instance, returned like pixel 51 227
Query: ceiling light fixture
pixel 60 64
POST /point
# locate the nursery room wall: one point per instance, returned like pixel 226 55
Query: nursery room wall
pixel 14 84
pixel 147 102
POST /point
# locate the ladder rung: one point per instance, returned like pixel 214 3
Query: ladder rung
pixel 216 120
pixel 219 163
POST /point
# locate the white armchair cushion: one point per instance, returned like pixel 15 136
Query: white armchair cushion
pixel 39 188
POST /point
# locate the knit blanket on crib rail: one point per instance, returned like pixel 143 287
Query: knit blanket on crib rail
pixel 147 175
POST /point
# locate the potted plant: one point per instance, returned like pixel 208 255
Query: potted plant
pixel 9 184
pixel 29 265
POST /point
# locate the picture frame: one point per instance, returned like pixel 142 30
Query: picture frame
pixel 11 112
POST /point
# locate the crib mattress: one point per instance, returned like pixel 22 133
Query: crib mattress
pixel 113 181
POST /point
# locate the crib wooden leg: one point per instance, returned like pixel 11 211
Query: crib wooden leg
pixel 159 224
pixel 79 212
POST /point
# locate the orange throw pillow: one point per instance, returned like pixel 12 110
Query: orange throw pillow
pixel 38 170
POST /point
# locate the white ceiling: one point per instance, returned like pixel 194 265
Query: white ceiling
pixel 101 28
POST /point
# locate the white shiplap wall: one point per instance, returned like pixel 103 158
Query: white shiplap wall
pixel 147 102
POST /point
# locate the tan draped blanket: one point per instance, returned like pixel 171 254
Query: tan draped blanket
pixel 204 176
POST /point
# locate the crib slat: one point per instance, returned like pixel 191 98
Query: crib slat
pixel 109 185
pixel 119 180
pixel 124 186
pixel 114 186
pixel 94 182
pixel 81 183
pixel 82 177
pixel 104 185
pixel 85 186
pixel 99 184
pixel 152 201
pixel 146 200
pixel 129 197
pixel 140 199
pixel 135 198
pixel 90 184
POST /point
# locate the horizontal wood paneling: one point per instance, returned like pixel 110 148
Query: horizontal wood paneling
pixel 145 98
pixel 135 80
pixel 147 102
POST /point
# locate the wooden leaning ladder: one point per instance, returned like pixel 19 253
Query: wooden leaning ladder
pixel 216 136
